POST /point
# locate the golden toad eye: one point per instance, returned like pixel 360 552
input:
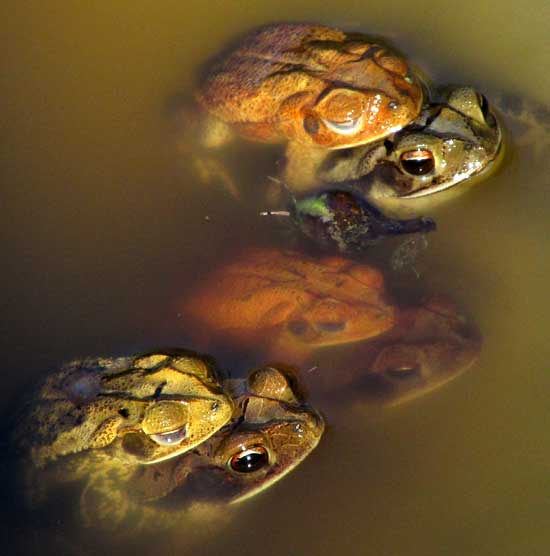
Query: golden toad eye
pixel 418 162
pixel 249 460
pixel 172 438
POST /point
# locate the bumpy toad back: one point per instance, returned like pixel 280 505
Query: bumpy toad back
pixel 273 429
pixel 142 409
pixel 311 84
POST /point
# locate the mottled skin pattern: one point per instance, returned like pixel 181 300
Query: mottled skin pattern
pixel 431 343
pixel 164 403
pixel 284 304
pixel 314 87
pixel 271 432
pixel 455 138
pixel 286 81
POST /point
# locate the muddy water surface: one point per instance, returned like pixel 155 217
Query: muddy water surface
pixel 103 225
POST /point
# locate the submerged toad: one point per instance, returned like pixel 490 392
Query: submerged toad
pixel 284 304
pixel 431 343
pixel 139 409
pixel 271 432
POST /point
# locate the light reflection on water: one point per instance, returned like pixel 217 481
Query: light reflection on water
pixel 101 226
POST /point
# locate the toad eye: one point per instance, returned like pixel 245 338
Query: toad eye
pixel 349 126
pixel 172 438
pixel 417 162
pixel 249 460
pixel 403 372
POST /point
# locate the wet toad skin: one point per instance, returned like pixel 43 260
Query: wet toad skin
pixel 168 403
pixel 284 304
pixel 271 432
pixel 456 137
pixel 310 84
pixel 313 87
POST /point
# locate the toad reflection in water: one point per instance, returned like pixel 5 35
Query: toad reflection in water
pixel 431 343
pixel 281 305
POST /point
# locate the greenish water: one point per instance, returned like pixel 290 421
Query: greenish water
pixel 103 226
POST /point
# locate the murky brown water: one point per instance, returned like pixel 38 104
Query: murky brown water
pixel 102 227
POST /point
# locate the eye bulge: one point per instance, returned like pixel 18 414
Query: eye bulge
pixel 172 438
pixel 418 162
pixel 249 460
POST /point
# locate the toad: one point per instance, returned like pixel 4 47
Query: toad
pixel 313 87
pixel 271 432
pixel 431 343
pixel 456 137
pixel 166 403
pixel 285 304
